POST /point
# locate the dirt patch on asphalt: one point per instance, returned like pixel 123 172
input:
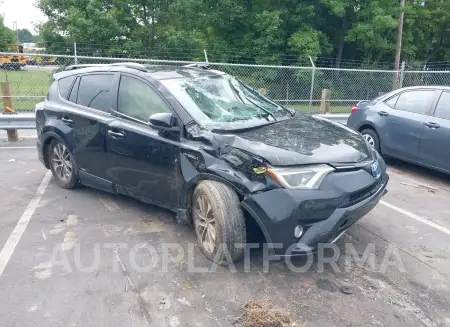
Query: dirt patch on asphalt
pixel 263 313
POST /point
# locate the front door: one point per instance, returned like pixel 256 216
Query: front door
pixel 434 148
pixel 402 130
pixel 143 164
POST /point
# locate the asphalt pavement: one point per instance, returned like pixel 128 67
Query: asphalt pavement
pixel 86 258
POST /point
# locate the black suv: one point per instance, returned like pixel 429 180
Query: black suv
pixel 212 149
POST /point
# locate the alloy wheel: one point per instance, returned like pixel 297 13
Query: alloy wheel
pixel 62 162
pixel 369 139
pixel 205 224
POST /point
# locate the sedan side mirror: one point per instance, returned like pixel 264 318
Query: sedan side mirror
pixel 165 122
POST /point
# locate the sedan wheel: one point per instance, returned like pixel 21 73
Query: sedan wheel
pixel 369 139
pixel 372 138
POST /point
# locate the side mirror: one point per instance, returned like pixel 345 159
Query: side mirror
pixel 162 120
pixel 166 123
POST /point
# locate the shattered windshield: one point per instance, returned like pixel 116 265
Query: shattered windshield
pixel 223 99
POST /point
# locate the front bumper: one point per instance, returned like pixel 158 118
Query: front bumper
pixel 324 215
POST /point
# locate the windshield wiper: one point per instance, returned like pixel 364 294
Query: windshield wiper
pixel 291 111
pixel 251 101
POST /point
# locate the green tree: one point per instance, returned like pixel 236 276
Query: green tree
pixel 7 36
pixel 25 36
pixel 250 31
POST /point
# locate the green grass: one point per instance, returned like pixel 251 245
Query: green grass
pixel 27 83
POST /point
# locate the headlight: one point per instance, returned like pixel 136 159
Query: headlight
pixel 307 177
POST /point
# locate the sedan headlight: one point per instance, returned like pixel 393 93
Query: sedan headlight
pixel 307 177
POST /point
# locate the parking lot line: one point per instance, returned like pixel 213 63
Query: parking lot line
pixel 18 231
pixel 413 216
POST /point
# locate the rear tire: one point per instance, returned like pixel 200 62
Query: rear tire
pixel 372 138
pixel 62 165
pixel 219 222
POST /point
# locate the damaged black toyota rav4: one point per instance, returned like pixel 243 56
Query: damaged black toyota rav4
pixel 213 150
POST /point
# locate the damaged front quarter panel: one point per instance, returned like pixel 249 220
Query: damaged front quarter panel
pixel 206 156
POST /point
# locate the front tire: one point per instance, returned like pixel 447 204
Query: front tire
pixel 62 165
pixel 219 222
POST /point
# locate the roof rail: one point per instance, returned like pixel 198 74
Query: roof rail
pixel 72 67
pixel 202 65
pixel 132 65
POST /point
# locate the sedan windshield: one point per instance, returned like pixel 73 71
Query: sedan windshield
pixel 223 99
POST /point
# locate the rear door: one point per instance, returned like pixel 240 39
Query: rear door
pixel 403 116
pixel 92 98
pixel 434 148
pixel 144 163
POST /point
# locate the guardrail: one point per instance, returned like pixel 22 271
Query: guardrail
pixel 339 118
pixel 18 121
pixel 27 120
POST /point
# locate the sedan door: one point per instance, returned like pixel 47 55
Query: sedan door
pixel 434 148
pixel 144 163
pixel 403 116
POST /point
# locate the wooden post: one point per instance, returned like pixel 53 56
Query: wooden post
pixel 325 101
pixel 7 105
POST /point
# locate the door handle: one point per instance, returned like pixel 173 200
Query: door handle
pixel 116 135
pixel 67 120
pixel 432 125
pixel 383 113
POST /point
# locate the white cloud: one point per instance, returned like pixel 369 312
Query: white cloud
pixel 23 11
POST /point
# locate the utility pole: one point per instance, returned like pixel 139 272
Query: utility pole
pixel 16 29
pixel 398 49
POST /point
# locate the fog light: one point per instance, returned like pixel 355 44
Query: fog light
pixel 298 231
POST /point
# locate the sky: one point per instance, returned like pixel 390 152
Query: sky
pixel 22 11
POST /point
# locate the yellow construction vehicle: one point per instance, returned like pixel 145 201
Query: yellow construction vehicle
pixel 13 61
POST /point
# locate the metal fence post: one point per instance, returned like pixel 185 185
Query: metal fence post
pixel 7 103
pixel 206 56
pixel 311 94
pixel 402 74
pixel 75 53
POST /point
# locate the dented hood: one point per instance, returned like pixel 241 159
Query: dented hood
pixel 300 140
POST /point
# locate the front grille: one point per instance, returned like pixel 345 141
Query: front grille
pixel 363 193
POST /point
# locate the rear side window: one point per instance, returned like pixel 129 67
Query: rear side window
pixel 392 101
pixel 415 101
pixel 443 106
pixel 95 91
pixel 64 85
pixel 138 100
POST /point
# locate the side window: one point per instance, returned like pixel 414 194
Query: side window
pixel 64 85
pixel 392 101
pixel 443 106
pixel 415 101
pixel 95 91
pixel 138 100
pixel 73 94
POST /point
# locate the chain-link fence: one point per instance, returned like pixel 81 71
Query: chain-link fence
pixel 298 87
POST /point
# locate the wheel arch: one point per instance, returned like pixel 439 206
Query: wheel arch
pixel 184 201
pixel 47 139
pixel 188 190
pixel 366 125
